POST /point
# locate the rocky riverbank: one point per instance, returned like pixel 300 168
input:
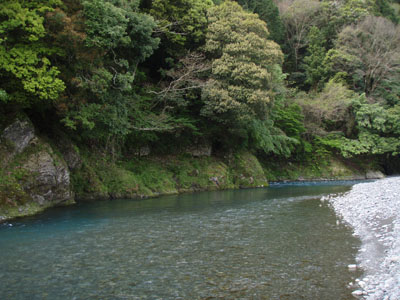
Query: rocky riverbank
pixel 33 175
pixel 37 172
pixel 373 211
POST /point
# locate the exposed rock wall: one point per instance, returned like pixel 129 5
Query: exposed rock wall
pixel 32 176
pixel 50 180
pixel 20 133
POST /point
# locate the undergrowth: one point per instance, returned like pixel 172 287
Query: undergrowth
pixel 152 176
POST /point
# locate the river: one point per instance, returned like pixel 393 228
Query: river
pixel 279 242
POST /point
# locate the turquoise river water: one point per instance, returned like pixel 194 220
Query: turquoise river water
pixel 278 242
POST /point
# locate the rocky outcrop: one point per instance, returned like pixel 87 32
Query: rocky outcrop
pixel 70 154
pixel 248 171
pixel 34 176
pixel 198 149
pixel 49 183
pixel 374 175
pixel 143 151
pixel 19 134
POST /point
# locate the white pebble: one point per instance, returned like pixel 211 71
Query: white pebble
pixel 357 293
pixel 352 267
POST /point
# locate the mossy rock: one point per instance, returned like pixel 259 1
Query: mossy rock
pixel 162 175
pixel 329 167
pixel 34 176
pixel 247 171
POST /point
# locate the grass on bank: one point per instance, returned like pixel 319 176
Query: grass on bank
pixel 171 174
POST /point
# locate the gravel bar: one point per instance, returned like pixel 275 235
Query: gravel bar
pixel 372 209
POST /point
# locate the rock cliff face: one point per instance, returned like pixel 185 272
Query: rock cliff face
pixel 50 183
pixel 32 176
pixel 19 133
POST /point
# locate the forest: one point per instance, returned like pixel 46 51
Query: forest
pixel 287 80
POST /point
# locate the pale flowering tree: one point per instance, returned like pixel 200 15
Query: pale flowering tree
pixel 244 67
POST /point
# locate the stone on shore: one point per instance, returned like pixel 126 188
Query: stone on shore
pixel 372 209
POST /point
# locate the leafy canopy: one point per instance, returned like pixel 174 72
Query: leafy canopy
pixel 118 37
pixel 314 62
pixel 369 52
pixel 269 13
pixel 181 24
pixel 26 69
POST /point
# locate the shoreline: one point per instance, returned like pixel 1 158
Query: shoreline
pixel 372 210
pixel 31 209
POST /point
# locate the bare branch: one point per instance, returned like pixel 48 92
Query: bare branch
pixel 186 77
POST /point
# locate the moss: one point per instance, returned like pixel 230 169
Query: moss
pixel 18 181
pixel 33 148
pixel 326 167
pixel 202 173
pixel 12 177
pixel 107 179
pixel 100 177
pixel 27 209
pixel 247 171
pixel 86 180
pixel 12 193
pixel 6 148
pixel 152 176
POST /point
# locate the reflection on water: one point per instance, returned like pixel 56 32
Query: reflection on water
pixel 272 243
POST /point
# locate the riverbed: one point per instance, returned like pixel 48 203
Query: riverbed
pixel 279 242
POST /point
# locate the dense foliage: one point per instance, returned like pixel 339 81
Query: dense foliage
pixel 26 69
pixel 282 78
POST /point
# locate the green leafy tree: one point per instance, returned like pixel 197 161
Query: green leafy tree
pixel 182 24
pixel 117 38
pixel 335 15
pixel 283 133
pixel 120 31
pixel 270 139
pixel 245 65
pixel 314 62
pixel 269 13
pixel 384 9
pixel 26 69
pixel 288 117
pixel 299 16
pixel 378 131
pixel 352 11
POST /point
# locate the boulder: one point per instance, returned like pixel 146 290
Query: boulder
pixel 374 175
